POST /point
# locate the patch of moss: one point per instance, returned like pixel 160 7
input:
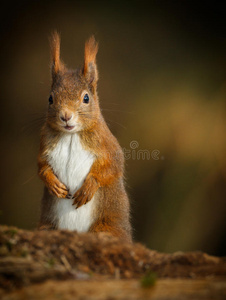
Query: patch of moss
pixel 11 232
pixel 51 262
pixel 148 280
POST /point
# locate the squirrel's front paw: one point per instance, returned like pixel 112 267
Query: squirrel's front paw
pixel 58 189
pixel 85 193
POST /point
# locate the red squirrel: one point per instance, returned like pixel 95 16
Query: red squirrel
pixel 80 161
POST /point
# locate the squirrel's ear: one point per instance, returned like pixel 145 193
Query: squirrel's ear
pixel 90 68
pixel 57 65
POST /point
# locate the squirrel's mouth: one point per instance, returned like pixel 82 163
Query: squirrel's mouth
pixel 67 127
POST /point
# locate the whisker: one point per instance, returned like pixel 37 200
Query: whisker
pixel 90 117
pixel 117 123
pixel 29 179
pixel 121 111
pixel 33 125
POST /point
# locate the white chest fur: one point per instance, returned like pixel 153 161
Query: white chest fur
pixel 71 163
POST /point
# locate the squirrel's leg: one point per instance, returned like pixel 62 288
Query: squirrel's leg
pixel 103 226
pixel 101 174
pixel 86 192
pixel 53 184
pixel 47 219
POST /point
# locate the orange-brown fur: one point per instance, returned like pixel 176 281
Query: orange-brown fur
pixel 105 178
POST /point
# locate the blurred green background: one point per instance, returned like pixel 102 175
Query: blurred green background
pixel 162 87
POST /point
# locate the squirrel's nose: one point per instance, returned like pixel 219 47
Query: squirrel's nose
pixel 66 117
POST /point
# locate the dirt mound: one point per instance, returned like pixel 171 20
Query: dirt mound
pixel 33 256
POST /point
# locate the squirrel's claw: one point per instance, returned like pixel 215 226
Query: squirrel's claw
pixel 85 193
pixel 81 201
pixel 57 188
pixel 79 198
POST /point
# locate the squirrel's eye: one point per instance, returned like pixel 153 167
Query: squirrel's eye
pixel 50 100
pixel 86 98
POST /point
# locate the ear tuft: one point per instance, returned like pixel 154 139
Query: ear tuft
pixel 90 68
pixel 55 53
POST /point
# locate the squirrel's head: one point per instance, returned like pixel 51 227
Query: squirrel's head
pixel 73 101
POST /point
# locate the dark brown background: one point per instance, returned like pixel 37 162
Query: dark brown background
pixel 162 84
